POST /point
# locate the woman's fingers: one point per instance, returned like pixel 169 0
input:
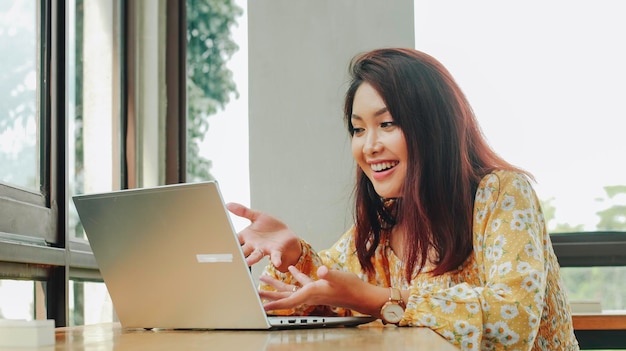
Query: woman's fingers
pixel 242 211
pixel 254 256
pixel 276 284
pixel 276 256
pixel 300 277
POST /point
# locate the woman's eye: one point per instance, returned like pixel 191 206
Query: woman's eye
pixel 387 124
pixel 356 130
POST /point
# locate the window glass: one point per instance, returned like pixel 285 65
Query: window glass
pixel 17 299
pixel 74 76
pixel 546 80
pixel 18 102
pixel 597 284
pixel 89 303
pixel 89 77
pixel 217 99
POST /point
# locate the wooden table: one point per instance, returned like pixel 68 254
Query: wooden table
pixel 604 330
pixel 372 336
pixel 606 320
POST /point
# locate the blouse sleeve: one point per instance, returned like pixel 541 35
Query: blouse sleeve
pixel 501 308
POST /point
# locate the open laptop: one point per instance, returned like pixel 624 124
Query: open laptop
pixel 170 258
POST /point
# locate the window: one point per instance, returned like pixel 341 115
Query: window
pixel 26 192
pixel 546 80
pixel 72 66
pixel 19 119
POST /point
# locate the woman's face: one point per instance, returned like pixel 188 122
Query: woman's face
pixel 378 144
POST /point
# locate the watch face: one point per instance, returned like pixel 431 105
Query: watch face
pixel 392 313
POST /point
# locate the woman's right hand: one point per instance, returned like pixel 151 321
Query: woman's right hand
pixel 266 235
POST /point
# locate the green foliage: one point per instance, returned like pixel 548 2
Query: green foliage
pixel 549 214
pixel 613 218
pixel 209 81
pixel 597 283
pixel 18 107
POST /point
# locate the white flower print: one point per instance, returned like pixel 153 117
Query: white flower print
pixel 501 290
pixel 342 257
pixel 530 284
pixel 428 320
pixel 523 267
pixel 509 311
pixel 448 335
pixel 470 344
pixel 526 191
pixel 487 345
pixel 508 203
pixel 447 306
pixel 529 215
pixel 497 253
pixel 489 253
pixel 480 242
pixel 485 305
pixel 480 216
pixel 499 241
pixel 461 291
pixel 509 338
pixel 501 332
pixel 495 224
pixel 531 251
pixel 481 195
pixel 533 320
pixel 472 308
pixel 462 327
pixel 505 268
pixel 519 220
pixel 492 271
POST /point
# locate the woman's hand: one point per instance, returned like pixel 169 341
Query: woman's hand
pixel 333 288
pixel 266 235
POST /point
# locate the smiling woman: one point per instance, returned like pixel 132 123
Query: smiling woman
pixel 447 235
pixel 378 143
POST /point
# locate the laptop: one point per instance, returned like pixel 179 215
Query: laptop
pixel 170 259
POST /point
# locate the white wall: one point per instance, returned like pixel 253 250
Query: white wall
pixel 301 167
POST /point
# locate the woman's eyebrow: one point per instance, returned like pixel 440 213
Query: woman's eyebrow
pixel 376 114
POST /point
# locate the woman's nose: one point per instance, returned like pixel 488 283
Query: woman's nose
pixel 372 144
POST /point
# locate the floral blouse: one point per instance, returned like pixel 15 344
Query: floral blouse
pixel 508 294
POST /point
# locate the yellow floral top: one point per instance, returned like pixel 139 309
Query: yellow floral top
pixel 508 294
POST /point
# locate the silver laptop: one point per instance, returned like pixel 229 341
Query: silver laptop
pixel 170 258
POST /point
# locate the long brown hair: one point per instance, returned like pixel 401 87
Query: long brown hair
pixel 447 153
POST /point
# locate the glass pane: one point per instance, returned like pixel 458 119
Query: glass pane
pixel 596 284
pixel 90 303
pixel 217 103
pixel 75 138
pixel 546 80
pixel 91 105
pixel 17 299
pixel 19 155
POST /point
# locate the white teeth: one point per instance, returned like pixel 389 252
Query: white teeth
pixel 377 167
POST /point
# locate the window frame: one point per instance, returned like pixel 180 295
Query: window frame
pixel 41 250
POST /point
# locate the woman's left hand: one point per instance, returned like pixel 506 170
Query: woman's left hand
pixel 333 288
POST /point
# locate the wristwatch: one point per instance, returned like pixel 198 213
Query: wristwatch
pixel 393 310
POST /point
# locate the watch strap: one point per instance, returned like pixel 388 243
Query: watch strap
pixel 396 296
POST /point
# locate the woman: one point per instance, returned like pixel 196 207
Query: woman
pixel 447 234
